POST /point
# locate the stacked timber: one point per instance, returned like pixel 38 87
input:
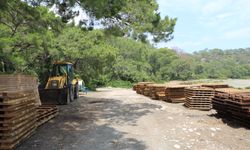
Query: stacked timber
pixel 215 86
pixel 46 113
pixel 233 103
pixel 175 93
pixel 199 98
pixel 18 117
pixel 141 86
pixel 161 95
pixel 151 89
pixel 146 90
pixel 157 91
pixel 220 98
pixel 134 87
pixel 20 82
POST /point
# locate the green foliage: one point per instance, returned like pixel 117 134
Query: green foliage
pixel 179 70
pixel 32 38
pixel 133 18
pixel 26 38
pixel 217 63
pixel 132 60
pixel 160 61
pixel 120 84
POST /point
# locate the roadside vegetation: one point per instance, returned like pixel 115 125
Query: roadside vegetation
pixel 117 54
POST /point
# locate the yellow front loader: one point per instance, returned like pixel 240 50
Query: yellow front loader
pixel 61 87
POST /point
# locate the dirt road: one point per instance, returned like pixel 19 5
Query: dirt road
pixel 121 119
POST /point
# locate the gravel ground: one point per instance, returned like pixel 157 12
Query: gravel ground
pixel 121 119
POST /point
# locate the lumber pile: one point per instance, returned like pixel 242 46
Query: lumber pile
pixel 151 89
pixel 17 118
pixel 161 95
pixel 199 98
pixel 20 82
pixel 220 98
pixel 175 94
pixel 141 86
pixel 134 87
pixel 46 113
pixel 19 115
pixel 215 86
pixel 157 91
pixel 233 103
pixel 146 90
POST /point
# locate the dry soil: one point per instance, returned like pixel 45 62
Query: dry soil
pixel 121 119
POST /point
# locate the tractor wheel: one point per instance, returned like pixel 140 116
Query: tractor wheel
pixel 76 94
pixel 71 94
pixel 64 98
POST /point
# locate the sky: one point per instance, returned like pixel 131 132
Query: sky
pixel 208 24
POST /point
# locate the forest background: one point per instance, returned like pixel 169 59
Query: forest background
pixel 114 47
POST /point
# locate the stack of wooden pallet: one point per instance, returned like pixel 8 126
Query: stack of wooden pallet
pixel 151 89
pixel 18 117
pixel 215 86
pixel 175 94
pixel 161 96
pixel 146 90
pixel 199 98
pixel 19 99
pixel 239 106
pixel 157 91
pixel 20 82
pixel 141 86
pixel 45 113
pixel 220 98
pixel 234 104
pixel 134 87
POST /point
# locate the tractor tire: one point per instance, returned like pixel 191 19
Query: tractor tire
pixel 64 97
pixel 76 94
pixel 71 94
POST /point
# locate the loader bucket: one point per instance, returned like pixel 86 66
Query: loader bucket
pixel 53 96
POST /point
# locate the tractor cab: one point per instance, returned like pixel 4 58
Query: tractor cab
pixel 61 69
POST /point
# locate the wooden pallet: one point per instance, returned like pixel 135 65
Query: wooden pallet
pixel 141 86
pixel 233 103
pixel 176 93
pixel 134 87
pixel 161 95
pixel 175 100
pixel 156 91
pixel 20 82
pixel 198 106
pixel 215 85
pixel 146 91
pixel 46 113
pixel 199 98
pixel 17 117
pixel 19 139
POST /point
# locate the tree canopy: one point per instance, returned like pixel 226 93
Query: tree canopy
pixel 131 18
pixel 32 37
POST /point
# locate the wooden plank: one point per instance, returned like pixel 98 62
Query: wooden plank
pixel 17 127
pixel 18 101
pixel 18 113
pixel 11 108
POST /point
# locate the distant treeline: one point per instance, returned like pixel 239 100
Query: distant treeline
pixel 31 38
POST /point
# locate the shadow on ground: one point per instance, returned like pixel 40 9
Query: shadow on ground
pixel 230 121
pixel 76 127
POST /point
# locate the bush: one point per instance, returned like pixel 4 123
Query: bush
pixel 120 84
